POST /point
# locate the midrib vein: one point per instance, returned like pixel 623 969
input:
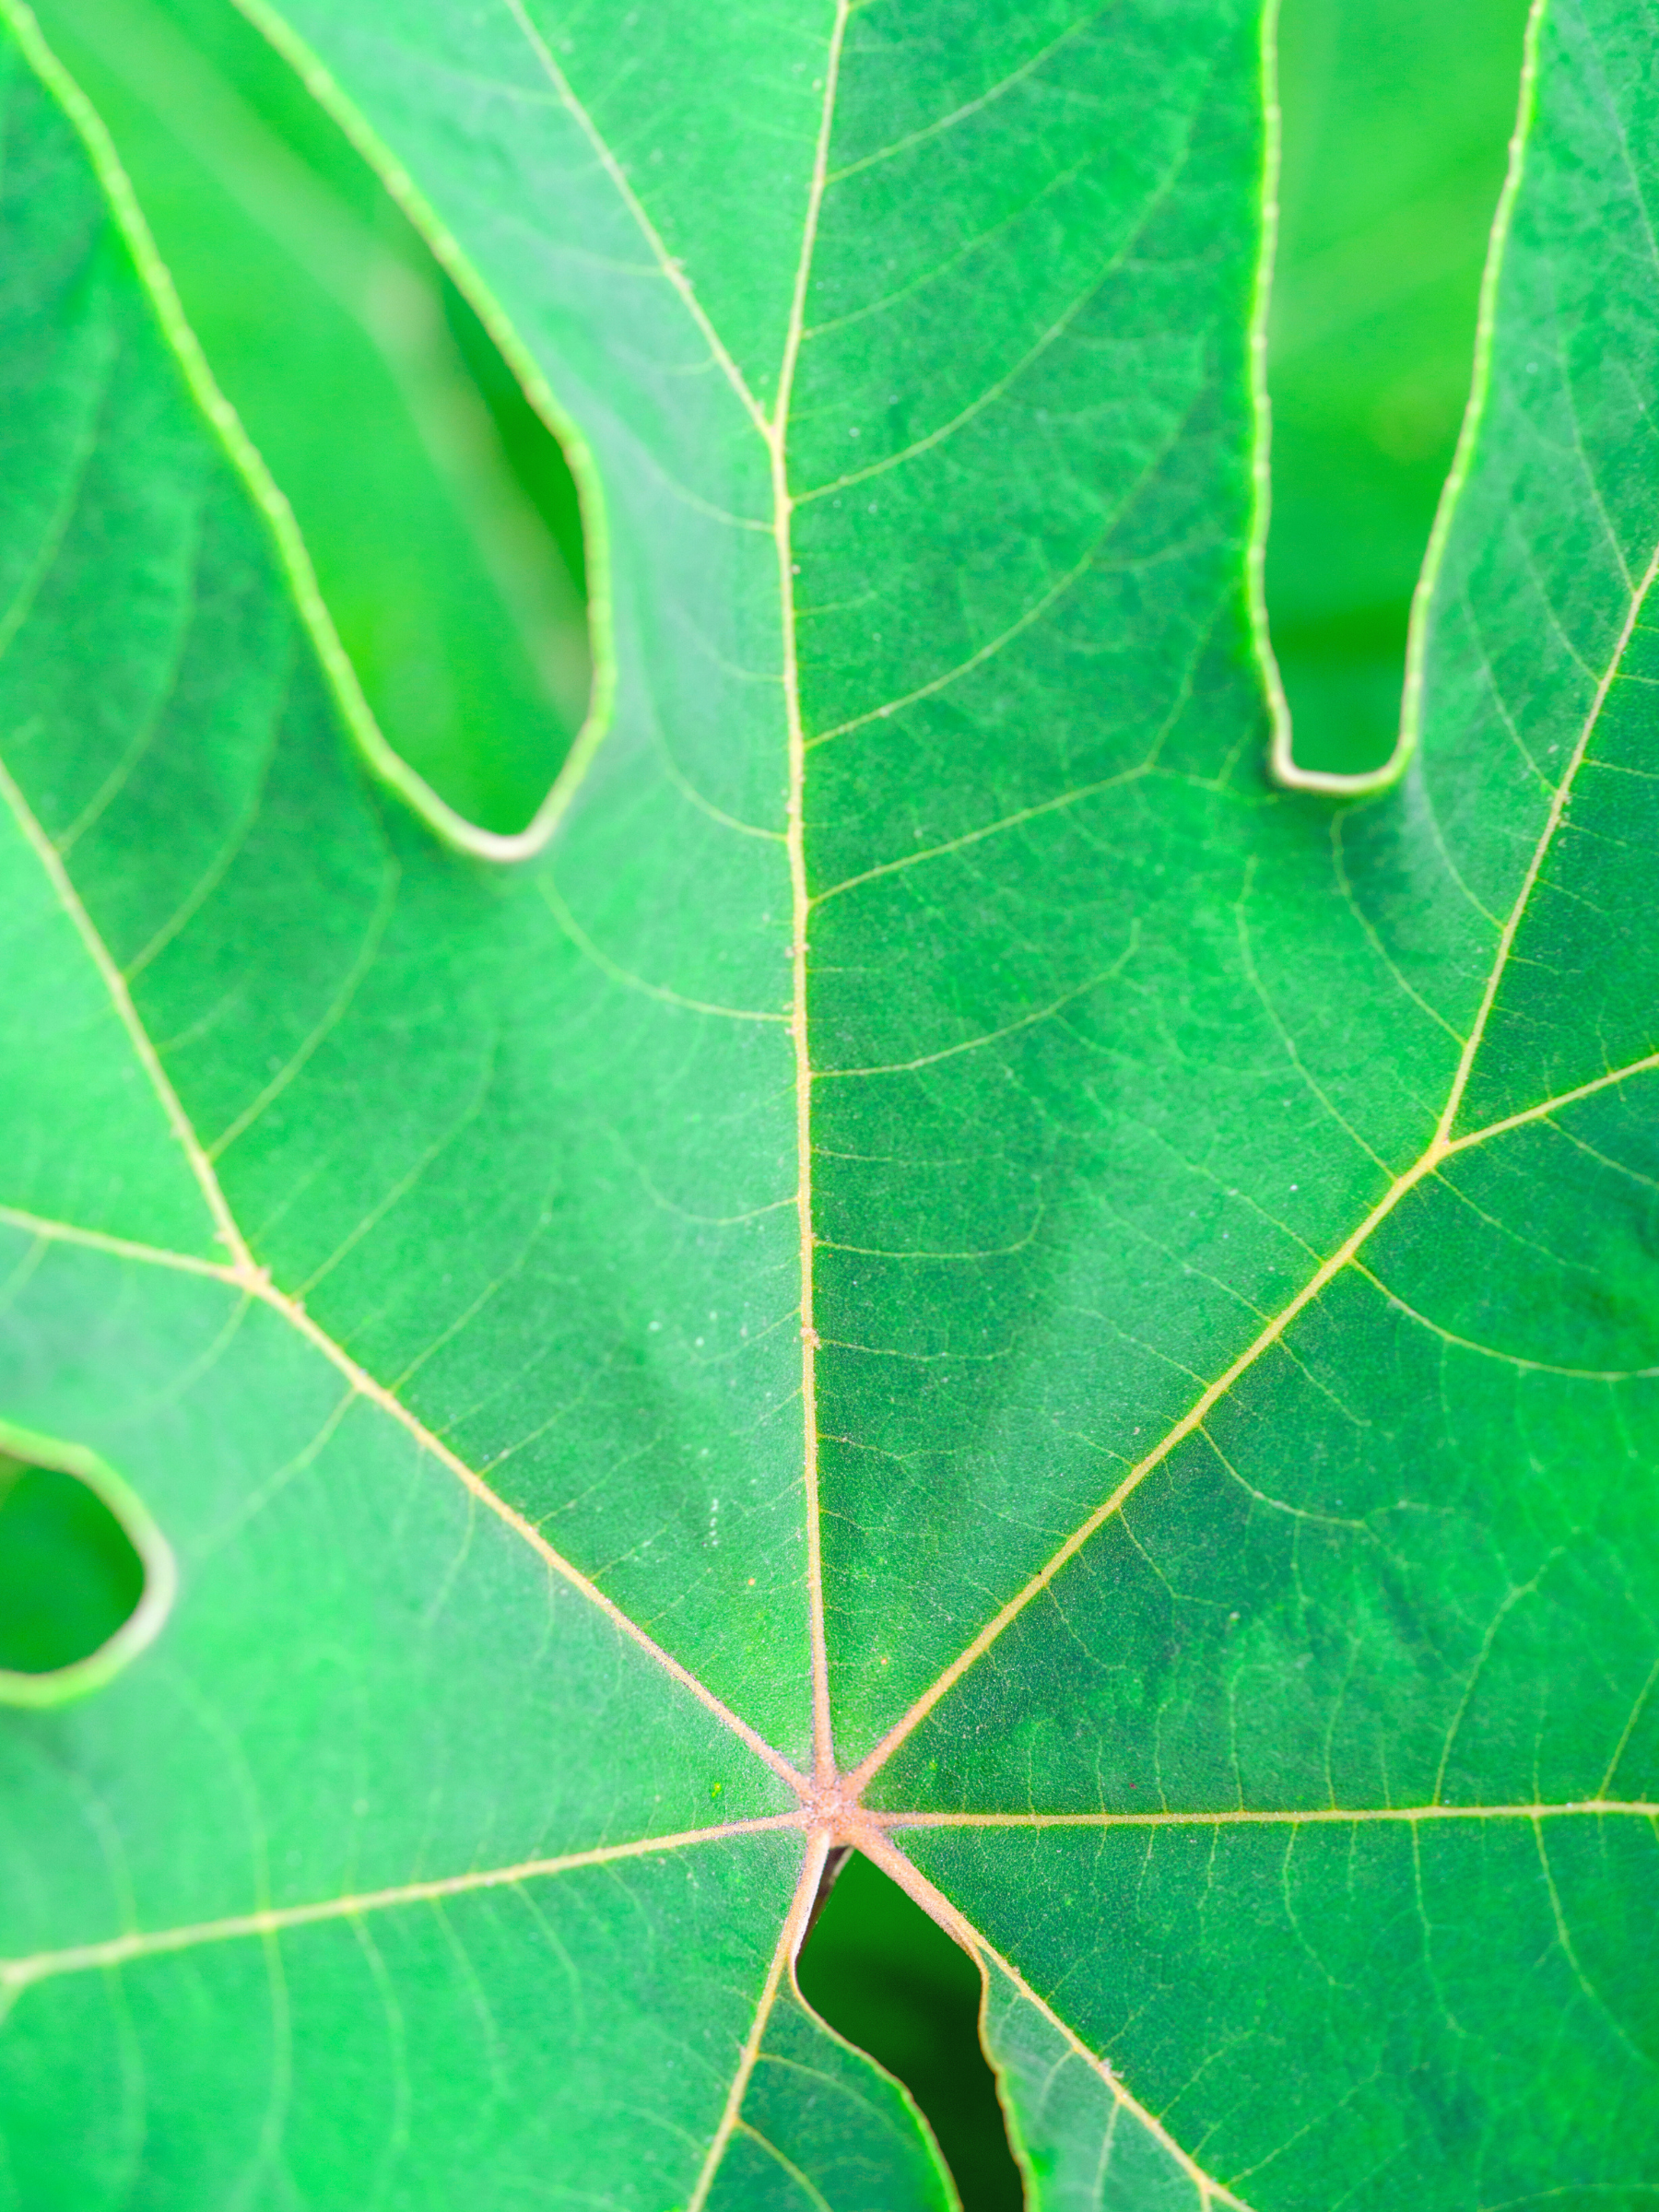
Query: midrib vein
pixel 16 1974
pixel 776 433
pixel 1321 1816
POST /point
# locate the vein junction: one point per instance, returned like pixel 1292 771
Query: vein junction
pixel 830 1810
pixel 830 1799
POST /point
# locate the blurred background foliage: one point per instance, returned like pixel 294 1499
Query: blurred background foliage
pixel 892 1981
pixel 444 527
pixel 438 509
pixel 69 1576
pixel 1397 116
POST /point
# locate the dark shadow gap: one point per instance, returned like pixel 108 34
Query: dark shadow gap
pixel 889 1979
pixel 438 508
pixel 1396 116
pixel 69 1574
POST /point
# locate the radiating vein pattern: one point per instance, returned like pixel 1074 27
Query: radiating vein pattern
pixel 1113 1305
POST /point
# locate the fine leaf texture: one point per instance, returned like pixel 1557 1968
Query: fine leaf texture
pixel 941 1266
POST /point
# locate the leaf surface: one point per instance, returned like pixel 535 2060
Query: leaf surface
pixel 943 1268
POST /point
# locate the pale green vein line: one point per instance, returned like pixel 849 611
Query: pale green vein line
pixel 1039 347
pixel 808 2188
pixel 57 528
pixel 253 1502
pixel 1010 1028
pixel 475 1305
pixel 972 107
pixel 120 1247
pixel 136 750
pixel 334 1013
pixel 224 860
pixel 693 797
pixel 22 1270
pixel 990 1251
pixel 1372 936
pixel 1635 1713
pixel 630 981
pixel 974 837
pixel 665 262
pixel 1552 1106
pixel 121 1950
pixel 992 646
pixel 1570 1952
pixel 1516 1595
pixel 979 246
pixel 1530 1249
pixel 397 2127
pixel 1552 822
pixel 1332 1816
pixel 1277 1023
pixel 1032 614
pixel 1491 1351
pixel 393 1195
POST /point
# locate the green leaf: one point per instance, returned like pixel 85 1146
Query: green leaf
pixel 816 2129
pixel 933 1262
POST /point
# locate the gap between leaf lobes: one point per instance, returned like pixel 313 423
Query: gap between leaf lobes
pixel 832 1807
pixel 888 1977
pixel 86 1578
pixel 448 552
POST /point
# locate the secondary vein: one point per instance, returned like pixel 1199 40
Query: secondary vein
pixel 114 982
pixel 1552 822
pixel 618 176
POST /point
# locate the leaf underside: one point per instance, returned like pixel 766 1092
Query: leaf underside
pixel 943 1267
